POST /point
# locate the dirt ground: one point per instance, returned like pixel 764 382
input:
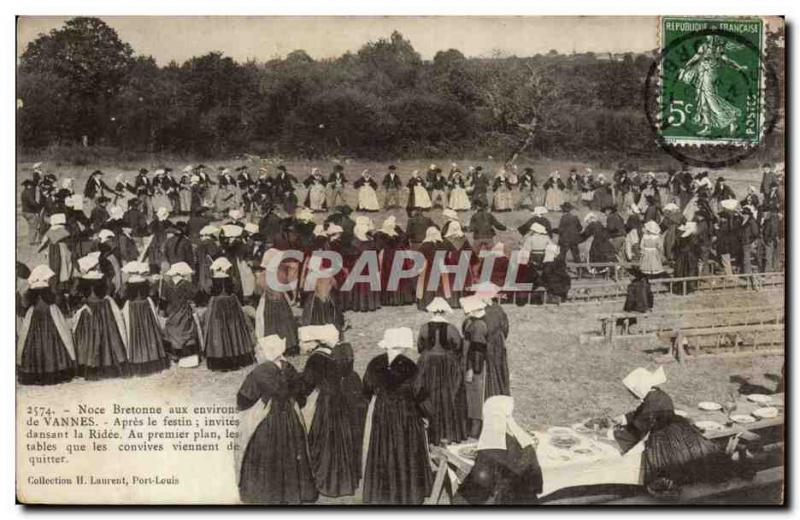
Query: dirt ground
pixel 555 379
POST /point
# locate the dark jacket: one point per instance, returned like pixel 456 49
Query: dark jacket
pixel 569 229
pixel 482 224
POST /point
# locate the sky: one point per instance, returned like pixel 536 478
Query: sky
pixel 263 38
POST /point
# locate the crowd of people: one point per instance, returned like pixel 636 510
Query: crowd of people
pixel 162 270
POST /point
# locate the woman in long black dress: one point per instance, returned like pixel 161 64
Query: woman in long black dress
pixel 506 470
pixel 274 314
pixel 498 328
pixel 333 437
pixel 146 353
pixel 45 350
pixel 101 344
pixel 272 464
pixel 434 249
pixel 441 375
pixel 182 330
pixel 396 464
pixel 487 368
pixel 675 451
pixel 207 250
pixel 57 241
pixel 228 342
pixel 555 278
pixel 321 306
pixel 158 232
pixel 390 240
pixel 601 250
pixel 364 296
pixel 458 247
pixel 687 255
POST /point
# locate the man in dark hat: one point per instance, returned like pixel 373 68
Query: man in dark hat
pixel 482 225
pixel 391 185
pixel 527 189
pixel 336 182
pixel 569 233
pixel 269 227
pixel 30 210
pixel 438 185
pixel 430 174
pixel 96 186
pixel 722 191
pixel 142 179
pixel 135 219
pixel 767 177
pixel 198 219
pixel 283 185
pixel 480 187
pixel 99 214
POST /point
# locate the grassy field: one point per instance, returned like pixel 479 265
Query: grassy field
pixel 554 378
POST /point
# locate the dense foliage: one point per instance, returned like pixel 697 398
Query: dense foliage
pixel 382 101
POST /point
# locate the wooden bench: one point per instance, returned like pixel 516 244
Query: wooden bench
pixel 618 326
pixel 602 292
pixel 704 491
pixel 607 269
pixel 736 341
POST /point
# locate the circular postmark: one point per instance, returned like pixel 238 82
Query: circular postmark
pixel 710 97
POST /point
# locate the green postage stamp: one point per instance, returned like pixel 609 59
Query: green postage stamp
pixel 711 81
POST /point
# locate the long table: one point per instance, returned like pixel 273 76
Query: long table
pixel 605 465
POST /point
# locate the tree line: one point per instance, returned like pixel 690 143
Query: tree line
pixel 81 84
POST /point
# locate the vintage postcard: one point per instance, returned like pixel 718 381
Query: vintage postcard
pixel 431 260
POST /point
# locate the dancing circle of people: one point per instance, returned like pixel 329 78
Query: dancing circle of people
pixel 163 270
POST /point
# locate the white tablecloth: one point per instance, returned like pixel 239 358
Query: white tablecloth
pixel 563 468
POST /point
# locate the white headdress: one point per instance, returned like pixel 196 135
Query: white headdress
pixel 220 267
pixel 39 277
pixel 641 380
pixel 270 348
pixel 454 230
pixel 398 338
pixel 440 305
pixel 498 420
pixel 432 234
pixel 651 227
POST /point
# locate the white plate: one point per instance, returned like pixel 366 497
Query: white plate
pixel 681 413
pixel 709 406
pixel 742 419
pixel 560 431
pixel 759 398
pixel 581 428
pixel 709 426
pixel 768 412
